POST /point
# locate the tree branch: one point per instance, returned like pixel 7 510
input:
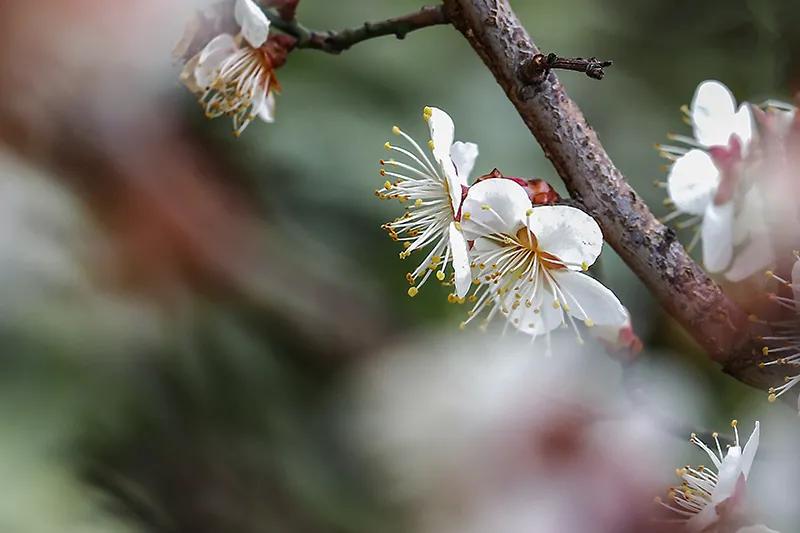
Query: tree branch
pixel 648 247
pixel 335 42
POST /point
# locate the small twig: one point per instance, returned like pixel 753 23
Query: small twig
pixel 334 42
pixel 536 69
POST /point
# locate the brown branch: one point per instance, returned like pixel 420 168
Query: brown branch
pixel 648 247
pixel 536 69
pixel 335 42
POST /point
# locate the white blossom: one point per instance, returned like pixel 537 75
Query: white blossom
pixel 528 262
pixel 433 188
pixel 702 497
pixel 234 75
pixel 710 185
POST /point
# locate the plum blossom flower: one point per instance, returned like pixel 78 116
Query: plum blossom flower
pixel 784 343
pixel 528 262
pixel 709 496
pixel 433 188
pixel 708 183
pixel 235 75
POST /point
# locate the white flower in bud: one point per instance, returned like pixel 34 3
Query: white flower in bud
pixel 529 262
pixel 433 188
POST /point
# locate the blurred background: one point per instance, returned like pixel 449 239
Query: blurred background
pixel 205 334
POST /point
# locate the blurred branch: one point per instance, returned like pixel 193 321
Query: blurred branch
pixel 335 42
pixel 648 247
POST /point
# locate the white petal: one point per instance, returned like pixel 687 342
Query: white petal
pixel 750 450
pixel 743 126
pixel 458 249
pixel 758 528
pixel 693 181
pixel 728 475
pixel 541 317
pixel 266 111
pixel 187 75
pixel 215 52
pixel 717 236
pixel 442 132
pixel 587 298
pixel 754 257
pixel 253 21
pixel 494 206
pixel 566 232
pixel 713 108
pixel 464 156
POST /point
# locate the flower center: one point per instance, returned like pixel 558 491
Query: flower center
pixel 528 240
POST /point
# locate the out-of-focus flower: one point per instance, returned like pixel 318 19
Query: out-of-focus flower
pixel 528 262
pixel 760 528
pixel 434 191
pixel 472 444
pixel 784 343
pixel 235 75
pixel 709 182
pixel 708 497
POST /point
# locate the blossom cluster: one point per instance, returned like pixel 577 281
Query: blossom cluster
pixel 720 176
pixel 524 257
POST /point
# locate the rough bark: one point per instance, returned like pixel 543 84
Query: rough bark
pixel 648 247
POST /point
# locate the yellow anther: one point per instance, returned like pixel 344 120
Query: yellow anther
pixel 589 323
pixel 382 172
pixel 486 207
pixel 461 300
pixel 529 212
pixel 451 298
pixel 462 326
pixel 387 185
pixel 395 130
pixel 406 245
pixel 465 215
pixel 772 397
pixel 430 144
pixel 458 225
pixel 768 273
pixel 440 275
pixel 412 291
pixel 427 112
pixel 402 199
pixel 418 202
pixel 436 259
pixel 734 423
pixel 409 278
pixel 556 304
pixel 387 145
pixel 765 351
pixel 584 266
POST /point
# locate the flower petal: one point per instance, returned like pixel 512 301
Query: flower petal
pixel 494 206
pixel 442 132
pixel 693 181
pixel 758 528
pixel 713 108
pixel 253 21
pixel 717 236
pixel 588 299
pixel 750 450
pixel 215 52
pixel 538 319
pixel 188 77
pixel 754 257
pixel 458 249
pixel 566 232
pixel 464 156
pixel 743 126
pixel 266 111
